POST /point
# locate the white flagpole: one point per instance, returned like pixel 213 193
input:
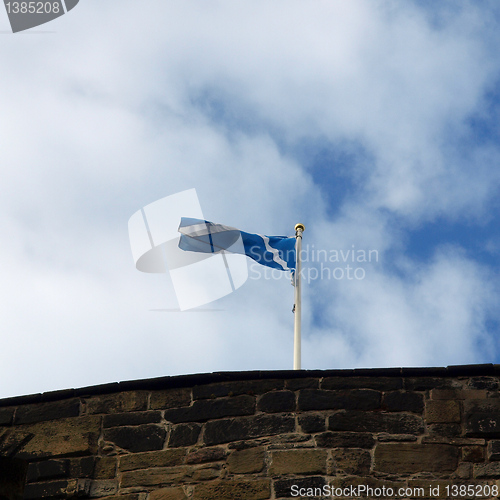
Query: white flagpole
pixel 299 228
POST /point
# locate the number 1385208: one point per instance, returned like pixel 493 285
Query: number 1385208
pixel 471 490
pixel 33 7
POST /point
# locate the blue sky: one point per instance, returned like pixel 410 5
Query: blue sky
pixel 375 123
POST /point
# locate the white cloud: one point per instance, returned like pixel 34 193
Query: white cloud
pixel 430 314
pixel 111 113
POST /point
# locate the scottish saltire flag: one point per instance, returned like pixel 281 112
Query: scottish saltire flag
pixel 199 235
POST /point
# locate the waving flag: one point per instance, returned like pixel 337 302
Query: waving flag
pixel 199 235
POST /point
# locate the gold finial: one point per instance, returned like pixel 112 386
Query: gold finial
pixel 300 226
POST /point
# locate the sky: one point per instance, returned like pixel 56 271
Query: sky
pixel 373 122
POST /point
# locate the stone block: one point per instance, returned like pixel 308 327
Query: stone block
pixel 277 401
pixel 312 423
pixel 72 436
pixel 355 399
pixel 170 398
pixel 351 461
pixel 295 384
pixel 487 383
pixel 444 430
pixel 207 409
pixel 117 403
pixel 298 462
pixel 258 489
pixel 376 383
pixel 247 461
pixel 299 487
pixel 494 450
pixel 236 387
pixel 103 488
pixel 206 455
pixel 132 418
pixel 491 470
pixel 242 428
pixel 473 454
pixel 159 476
pixel 442 411
pixel 286 441
pixel 464 470
pixel 403 401
pixel 57 489
pixel 162 477
pixel 388 438
pixel 48 469
pixel 163 458
pixel 455 441
pixel 105 468
pixel 458 394
pixel 184 435
pixel 345 440
pixel 6 416
pixel 483 425
pixel 175 493
pixel 427 383
pixel 413 458
pixel 206 472
pixel 482 418
pixel 445 393
pixel 279 441
pixel 41 412
pixel 83 467
pixel 147 437
pixel 392 423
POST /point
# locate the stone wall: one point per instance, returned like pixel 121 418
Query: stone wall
pixel 259 435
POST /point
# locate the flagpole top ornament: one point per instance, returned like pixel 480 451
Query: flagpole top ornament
pixel 300 227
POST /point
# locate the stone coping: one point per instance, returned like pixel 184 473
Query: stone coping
pixel 178 381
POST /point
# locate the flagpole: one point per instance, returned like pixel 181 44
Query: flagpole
pixel 299 228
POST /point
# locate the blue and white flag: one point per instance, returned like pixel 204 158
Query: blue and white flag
pixel 199 235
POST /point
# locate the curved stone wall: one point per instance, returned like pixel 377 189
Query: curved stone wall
pixel 393 433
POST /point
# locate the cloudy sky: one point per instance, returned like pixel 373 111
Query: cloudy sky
pixel 375 123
